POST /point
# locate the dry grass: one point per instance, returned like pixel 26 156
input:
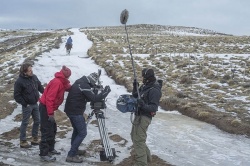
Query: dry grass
pixel 203 114
pixel 185 73
pixel 236 122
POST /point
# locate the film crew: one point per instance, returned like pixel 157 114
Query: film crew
pixel 26 93
pixel 81 92
pixel 150 94
pixel 51 99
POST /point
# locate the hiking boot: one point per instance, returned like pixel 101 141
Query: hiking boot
pixel 54 152
pixel 35 141
pixel 24 144
pixel 81 152
pixel 48 158
pixel 74 159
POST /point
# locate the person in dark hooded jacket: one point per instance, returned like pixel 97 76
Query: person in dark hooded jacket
pixel 150 94
pixel 51 99
pixel 80 93
pixel 26 93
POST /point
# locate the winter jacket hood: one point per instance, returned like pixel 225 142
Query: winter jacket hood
pixel 63 79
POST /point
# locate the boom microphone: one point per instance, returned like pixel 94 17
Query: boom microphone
pixel 124 19
pixel 124 16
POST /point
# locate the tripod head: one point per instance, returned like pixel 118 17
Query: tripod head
pixel 98 105
pixel 97 88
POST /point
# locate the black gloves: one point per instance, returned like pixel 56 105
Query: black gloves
pixel 140 103
pixel 106 91
pixel 51 119
pixel 135 83
pixel 135 86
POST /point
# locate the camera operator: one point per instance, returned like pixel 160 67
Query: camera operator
pixel 81 92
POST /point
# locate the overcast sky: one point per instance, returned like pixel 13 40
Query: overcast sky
pixel 226 16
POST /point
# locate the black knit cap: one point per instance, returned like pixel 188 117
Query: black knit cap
pixel 148 73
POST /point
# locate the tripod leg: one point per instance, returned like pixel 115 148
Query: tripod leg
pixel 105 140
pixel 104 136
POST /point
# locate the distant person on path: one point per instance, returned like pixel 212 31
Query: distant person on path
pixel 150 94
pixel 69 41
pixel 26 93
pixel 80 93
pixel 69 45
pixel 51 99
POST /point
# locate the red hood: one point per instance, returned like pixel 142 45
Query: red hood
pixel 61 77
pixel 59 74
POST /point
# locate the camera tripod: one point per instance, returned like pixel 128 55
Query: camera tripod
pixel 108 153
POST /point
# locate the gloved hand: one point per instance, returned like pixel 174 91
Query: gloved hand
pixel 107 89
pixel 140 103
pixel 135 83
pixel 51 118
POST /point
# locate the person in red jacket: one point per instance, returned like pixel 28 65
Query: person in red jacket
pixel 51 99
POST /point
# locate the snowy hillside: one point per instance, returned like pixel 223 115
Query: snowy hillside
pixel 173 138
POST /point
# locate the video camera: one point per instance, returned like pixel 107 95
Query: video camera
pixel 97 88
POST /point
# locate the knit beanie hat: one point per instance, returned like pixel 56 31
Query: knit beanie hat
pixel 93 78
pixel 148 73
pixel 66 71
pixel 148 76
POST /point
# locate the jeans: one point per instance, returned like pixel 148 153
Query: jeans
pixel 79 133
pixel 31 109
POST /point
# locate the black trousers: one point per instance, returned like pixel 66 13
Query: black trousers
pixel 48 132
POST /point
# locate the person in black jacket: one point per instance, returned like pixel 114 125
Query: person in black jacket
pixel 150 94
pixel 80 93
pixel 26 93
